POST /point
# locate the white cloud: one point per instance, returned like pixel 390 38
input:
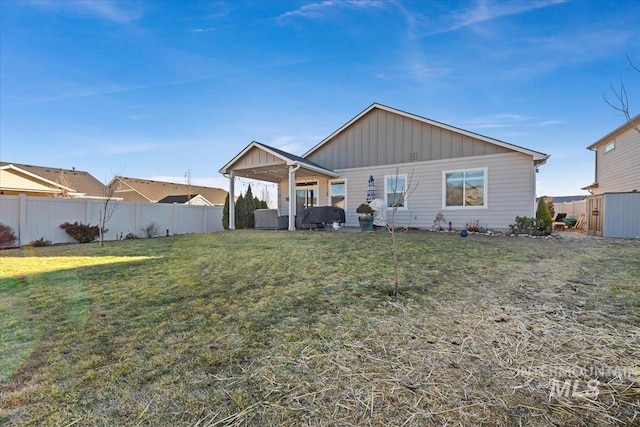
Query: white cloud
pixel 480 11
pixel 320 10
pixel 104 9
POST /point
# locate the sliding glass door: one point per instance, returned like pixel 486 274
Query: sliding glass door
pixel 306 195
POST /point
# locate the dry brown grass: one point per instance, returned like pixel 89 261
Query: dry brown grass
pixel 231 330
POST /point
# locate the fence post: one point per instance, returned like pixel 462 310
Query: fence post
pixel 175 218
pixel 204 218
pixel 22 214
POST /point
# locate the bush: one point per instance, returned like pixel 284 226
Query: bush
pixel 82 233
pixel 7 237
pixel 544 222
pixel 364 208
pixel 41 242
pixel 523 225
pixel 131 236
pixel 473 226
pixel 151 230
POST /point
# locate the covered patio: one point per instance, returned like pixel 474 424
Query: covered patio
pixel 264 163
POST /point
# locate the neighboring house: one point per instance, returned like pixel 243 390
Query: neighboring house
pixel 43 181
pixel 186 199
pixel 613 209
pixel 469 177
pixel 150 191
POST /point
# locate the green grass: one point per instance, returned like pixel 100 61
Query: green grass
pixel 279 328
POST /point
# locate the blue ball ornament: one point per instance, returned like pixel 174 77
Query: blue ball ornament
pixel 464 233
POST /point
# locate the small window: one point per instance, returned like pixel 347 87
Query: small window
pixel 610 146
pixel 465 188
pixel 395 191
pixel 338 194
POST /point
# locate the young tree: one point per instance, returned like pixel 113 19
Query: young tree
pixel 225 213
pixel 399 198
pixel 63 180
pixel 109 205
pixel 544 222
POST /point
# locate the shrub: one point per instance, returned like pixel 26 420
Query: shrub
pixel 151 230
pixel 82 233
pixel 131 236
pixel 473 226
pixel 439 221
pixel 523 225
pixel 41 242
pixel 7 237
pixel 544 222
pixel 364 208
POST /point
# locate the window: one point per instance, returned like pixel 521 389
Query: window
pixel 395 191
pixel 338 194
pixel 610 146
pixel 465 188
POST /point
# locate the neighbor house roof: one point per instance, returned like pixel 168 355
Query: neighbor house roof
pixel 538 157
pixel 137 189
pixel 634 122
pixel 183 199
pixel 75 182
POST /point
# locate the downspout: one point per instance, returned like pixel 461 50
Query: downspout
pixel 292 197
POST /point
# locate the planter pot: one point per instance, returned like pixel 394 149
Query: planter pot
pixel 366 223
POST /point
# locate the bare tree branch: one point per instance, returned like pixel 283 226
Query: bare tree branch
pixel 621 103
pixel 631 63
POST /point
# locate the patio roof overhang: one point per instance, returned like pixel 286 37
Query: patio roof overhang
pixel 263 163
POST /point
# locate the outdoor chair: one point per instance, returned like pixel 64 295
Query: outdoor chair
pixel 558 221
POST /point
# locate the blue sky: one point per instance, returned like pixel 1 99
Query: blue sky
pixel 153 89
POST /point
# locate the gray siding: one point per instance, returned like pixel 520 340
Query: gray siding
pixel 619 169
pixel 382 138
pixel 621 215
pixel 510 190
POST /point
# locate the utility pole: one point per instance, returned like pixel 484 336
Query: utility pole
pixel 187 176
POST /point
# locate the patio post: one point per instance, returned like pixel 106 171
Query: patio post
pixel 292 196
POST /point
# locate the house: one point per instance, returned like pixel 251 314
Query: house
pixel 613 208
pixel 187 199
pixel 150 191
pixel 44 181
pixel 466 176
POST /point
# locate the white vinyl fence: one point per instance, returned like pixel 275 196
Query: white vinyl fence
pixel 572 209
pixel 34 217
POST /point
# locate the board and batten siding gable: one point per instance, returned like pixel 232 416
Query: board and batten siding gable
pixel 618 170
pixel 382 138
pixel 510 190
pixel 256 157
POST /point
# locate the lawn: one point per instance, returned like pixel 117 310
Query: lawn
pixel 255 328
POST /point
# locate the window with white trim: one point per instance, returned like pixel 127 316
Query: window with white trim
pixel 465 188
pixel 610 146
pixel 338 194
pixel 395 191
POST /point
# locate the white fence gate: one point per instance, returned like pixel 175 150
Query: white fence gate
pixel 34 217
